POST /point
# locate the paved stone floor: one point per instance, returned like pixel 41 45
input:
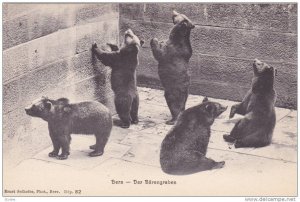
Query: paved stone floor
pixel 132 155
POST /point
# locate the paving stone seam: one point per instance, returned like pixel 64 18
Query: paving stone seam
pixel 140 163
pixel 91 168
pixel 284 116
pixel 241 153
pixel 134 162
pixel 57 163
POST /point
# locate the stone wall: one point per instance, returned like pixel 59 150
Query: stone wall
pixel 46 52
pixel 225 42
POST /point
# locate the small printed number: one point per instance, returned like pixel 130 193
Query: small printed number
pixel 77 191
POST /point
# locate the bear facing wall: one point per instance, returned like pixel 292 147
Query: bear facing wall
pixel 226 39
pixel 221 67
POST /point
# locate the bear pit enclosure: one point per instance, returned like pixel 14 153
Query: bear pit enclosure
pixel 225 41
pixel 46 52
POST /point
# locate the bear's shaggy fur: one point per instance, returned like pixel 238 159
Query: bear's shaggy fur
pixel 256 128
pixel 184 148
pixel 123 63
pixel 173 58
pixel 65 119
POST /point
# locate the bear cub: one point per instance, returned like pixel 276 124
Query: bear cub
pixel 184 148
pixel 123 63
pixel 65 119
pixel 258 107
pixel 173 57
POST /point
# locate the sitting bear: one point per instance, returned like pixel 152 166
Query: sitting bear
pixel 184 148
pixel 123 63
pixel 256 128
pixel 65 119
pixel 173 58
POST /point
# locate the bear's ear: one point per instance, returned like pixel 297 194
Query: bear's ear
pixel 275 72
pixel 255 69
pixel 142 42
pixel 48 105
pixel 205 99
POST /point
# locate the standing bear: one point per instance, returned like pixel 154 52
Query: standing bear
pixel 256 128
pixel 173 57
pixel 65 119
pixel 184 148
pixel 123 63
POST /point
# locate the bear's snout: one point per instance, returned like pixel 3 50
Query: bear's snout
pixel 259 66
pixel 257 61
pixel 28 110
pixel 222 109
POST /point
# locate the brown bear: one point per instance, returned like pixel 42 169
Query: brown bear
pixel 65 119
pixel 256 128
pixel 173 58
pixel 123 63
pixel 184 148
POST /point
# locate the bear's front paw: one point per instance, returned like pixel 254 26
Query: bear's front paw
pixel 171 122
pixel 154 42
pixel 53 154
pixel 125 125
pixel 94 46
pixel 62 156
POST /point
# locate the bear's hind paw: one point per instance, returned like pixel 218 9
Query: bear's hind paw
pixel 95 153
pixel 62 157
pixel 135 121
pixel 170 122
pixel 219 165
pixel 228 138
pixel 53 154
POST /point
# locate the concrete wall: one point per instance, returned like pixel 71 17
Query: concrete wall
pixel 225 41
pixel 46 51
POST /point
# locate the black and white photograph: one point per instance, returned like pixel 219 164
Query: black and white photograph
pixel 150 99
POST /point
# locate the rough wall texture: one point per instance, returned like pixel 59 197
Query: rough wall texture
pixel 46 51
pixel 225 41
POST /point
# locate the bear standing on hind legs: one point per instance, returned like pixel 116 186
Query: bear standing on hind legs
pixel 123 63
pixel 173 58
pixel 256 128
pixel 184 148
